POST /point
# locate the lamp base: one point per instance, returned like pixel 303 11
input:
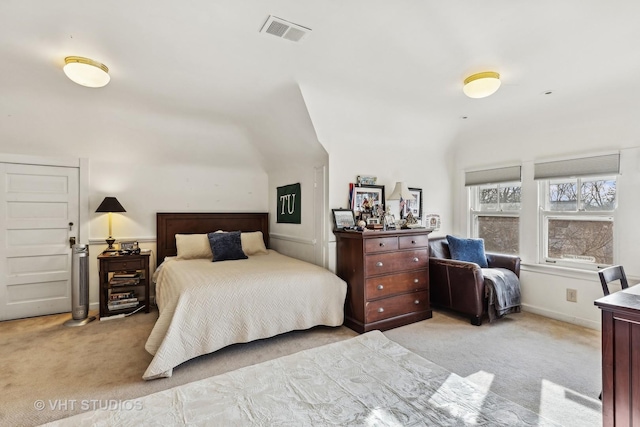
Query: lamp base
pixel 110 241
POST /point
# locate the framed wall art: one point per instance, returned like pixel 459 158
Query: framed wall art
pixel 413 206
pixel 367 198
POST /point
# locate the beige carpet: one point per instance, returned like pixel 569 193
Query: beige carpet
pixel 547 366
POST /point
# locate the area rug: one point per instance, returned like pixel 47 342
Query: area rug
pixel 366 380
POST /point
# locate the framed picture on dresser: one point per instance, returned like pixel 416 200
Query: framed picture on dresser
pixel 413 206
pixel 366 198
pixel 343 218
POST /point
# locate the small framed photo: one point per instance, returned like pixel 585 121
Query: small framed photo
pixel 432 222
pixel 413 206
pixel 128 246
pixel 367 198
pixel 343 218
pixel 366 180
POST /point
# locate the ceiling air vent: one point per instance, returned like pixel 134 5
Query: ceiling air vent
pixel 284 29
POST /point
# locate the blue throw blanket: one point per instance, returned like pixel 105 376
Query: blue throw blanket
pixel 502 288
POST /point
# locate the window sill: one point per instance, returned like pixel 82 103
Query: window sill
pixel 562 271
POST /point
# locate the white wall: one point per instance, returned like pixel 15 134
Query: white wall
pixel 544 287
pixel 296 240
pixel 420 167
pixel 145 189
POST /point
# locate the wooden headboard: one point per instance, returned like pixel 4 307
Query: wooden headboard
pixel 170 224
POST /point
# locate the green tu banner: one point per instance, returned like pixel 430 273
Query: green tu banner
pixel 289 204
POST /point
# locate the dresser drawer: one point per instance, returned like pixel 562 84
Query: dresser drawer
pixel 396 306
pixel 383 286
pixel 408 242
pixel 396 262
pixel 381 244
pixel 126 265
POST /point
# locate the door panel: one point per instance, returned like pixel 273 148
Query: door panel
pixel 40 292
pixel 21 211
pixel 37 205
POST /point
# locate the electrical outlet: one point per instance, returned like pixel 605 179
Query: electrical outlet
pixel 572 295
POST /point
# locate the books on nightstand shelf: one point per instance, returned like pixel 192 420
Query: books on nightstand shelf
pixel 122 300
pixel 122 304
pixel 112 306
pixel 125 279
pixel 125 275
pixel 119 296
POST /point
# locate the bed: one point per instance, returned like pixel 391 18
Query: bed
pixel 205 306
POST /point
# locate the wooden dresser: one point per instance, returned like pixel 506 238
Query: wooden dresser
pixel 387 273
pixel 621 357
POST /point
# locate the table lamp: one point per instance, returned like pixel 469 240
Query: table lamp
pixel 109 205
pixel 401 192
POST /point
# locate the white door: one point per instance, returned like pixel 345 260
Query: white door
pixel 38 214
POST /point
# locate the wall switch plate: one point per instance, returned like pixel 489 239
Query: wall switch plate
pixel 572 295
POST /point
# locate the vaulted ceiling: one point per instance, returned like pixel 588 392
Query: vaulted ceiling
pixel 195 81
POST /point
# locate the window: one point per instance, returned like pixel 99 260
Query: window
pixel 495 216
pixel 577 218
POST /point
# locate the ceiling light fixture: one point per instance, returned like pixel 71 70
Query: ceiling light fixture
pixel 481 85
pixel 86 72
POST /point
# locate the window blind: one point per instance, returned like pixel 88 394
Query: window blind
pixel 492 176
pixel 586 166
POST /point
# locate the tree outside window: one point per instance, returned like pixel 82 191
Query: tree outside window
pixel 577 217
pixel 496 216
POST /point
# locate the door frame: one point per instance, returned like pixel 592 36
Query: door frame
pixel 83 185
pixel 320 198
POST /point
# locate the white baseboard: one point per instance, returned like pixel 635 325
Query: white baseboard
pixel 561 316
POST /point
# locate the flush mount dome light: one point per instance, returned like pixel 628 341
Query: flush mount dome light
pixel 481 85
pixel 86 72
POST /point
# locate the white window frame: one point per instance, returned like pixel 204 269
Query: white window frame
pixel 475 211
pixel 545 215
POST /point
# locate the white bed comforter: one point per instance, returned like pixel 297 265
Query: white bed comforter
pixel 205 306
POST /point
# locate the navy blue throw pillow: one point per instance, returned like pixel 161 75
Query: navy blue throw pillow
pixel 470 250
pixel 226 246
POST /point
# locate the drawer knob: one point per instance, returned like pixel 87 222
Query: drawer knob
pixel 416 302
pixel 416 280
pixel 380 287
pixel 381 310
pixel 381 244
pixel 379 264
pixel 416 259
pixel 413 242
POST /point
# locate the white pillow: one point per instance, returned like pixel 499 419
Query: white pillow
pixel 193 246
pixel 253 243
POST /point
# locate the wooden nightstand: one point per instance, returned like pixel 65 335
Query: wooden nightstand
pixel 124 283
pixel 387 275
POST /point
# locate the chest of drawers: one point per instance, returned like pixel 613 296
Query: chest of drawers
pixel 387 273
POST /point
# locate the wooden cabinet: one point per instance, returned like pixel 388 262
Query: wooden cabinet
pixel 621 357
pixel 387 273
pixel 124 283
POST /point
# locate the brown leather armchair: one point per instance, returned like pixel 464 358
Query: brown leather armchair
pixel 459 285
